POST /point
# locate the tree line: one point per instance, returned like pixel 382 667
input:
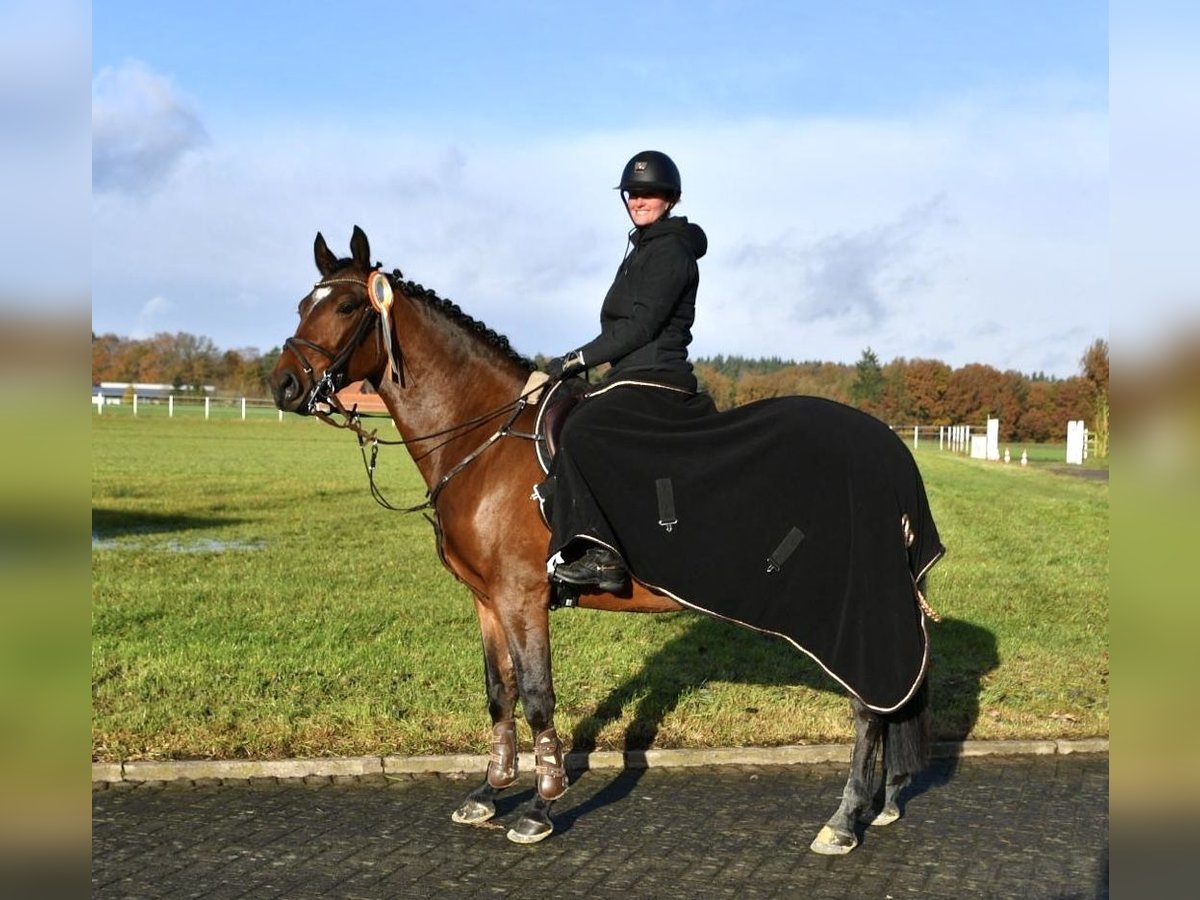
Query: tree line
pixel 185 361
pixel 1031 408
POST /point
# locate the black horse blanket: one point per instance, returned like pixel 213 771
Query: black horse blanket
pixel 796 516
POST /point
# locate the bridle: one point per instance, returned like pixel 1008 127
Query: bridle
pixel 333 378
pixel 323 403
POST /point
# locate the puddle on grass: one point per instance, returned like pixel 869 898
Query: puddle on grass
pixel 200 545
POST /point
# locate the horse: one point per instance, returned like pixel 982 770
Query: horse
pixel 454 390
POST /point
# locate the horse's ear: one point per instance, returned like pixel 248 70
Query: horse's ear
pixel 360 248
pixel 326 261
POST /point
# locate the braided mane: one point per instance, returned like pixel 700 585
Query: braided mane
pixel 452 312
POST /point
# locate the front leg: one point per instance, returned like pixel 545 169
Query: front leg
pixel 529 640
pixel 480 805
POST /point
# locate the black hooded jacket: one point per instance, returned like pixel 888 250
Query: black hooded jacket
pixel 646 319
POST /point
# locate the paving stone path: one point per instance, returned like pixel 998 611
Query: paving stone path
pixel 1027 827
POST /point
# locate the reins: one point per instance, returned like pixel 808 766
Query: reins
pixel 323 402
pixel 353 422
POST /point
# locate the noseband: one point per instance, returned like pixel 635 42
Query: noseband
pixel 333 378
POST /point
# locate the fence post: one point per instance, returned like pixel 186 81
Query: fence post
pixel 1075 442
pixel 206 400
pixel 135 404
pixel 243 409
pixel 170 406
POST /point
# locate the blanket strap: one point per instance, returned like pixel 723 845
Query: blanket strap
pixel 666 504
pixel 785 549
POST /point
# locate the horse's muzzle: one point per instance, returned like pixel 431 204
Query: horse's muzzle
pixel 289 392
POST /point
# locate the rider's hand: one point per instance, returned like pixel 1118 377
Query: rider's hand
pixel 564 366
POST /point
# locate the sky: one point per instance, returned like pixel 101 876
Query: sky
pixel 926 179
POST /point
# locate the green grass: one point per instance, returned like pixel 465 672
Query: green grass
pixel 249 599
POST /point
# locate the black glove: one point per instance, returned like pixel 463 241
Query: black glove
pixel 564 366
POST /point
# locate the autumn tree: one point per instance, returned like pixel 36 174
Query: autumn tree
pixel 716 383
pixel 925 383
pixel 1095 372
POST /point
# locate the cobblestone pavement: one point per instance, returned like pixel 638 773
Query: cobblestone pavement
pixel 1028 827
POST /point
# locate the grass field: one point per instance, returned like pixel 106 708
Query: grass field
pixel 249 599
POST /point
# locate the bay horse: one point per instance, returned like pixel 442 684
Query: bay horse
pixel 452 388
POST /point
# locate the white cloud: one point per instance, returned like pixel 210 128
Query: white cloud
pixel 141 128
pixel 968 233
pixel 155 310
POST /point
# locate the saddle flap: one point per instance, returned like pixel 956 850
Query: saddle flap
pixel 556 404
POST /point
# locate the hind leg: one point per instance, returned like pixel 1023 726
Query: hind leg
pixel 907 743
pixel 837 836
pixel 891 800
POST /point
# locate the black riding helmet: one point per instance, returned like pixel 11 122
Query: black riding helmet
pixel 651 170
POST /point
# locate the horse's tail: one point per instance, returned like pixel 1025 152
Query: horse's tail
pixel 908 734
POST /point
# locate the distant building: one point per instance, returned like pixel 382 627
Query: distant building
pixel 113 392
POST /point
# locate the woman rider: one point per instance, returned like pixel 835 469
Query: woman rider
pixel 645 329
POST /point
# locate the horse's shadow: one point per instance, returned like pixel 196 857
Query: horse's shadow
pixel 962 654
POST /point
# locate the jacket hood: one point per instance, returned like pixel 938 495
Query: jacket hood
pixel 691 233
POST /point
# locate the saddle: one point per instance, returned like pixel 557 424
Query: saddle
pixel 556 404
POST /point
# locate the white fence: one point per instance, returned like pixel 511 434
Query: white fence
pixel 955 438
pixel 209 406
pixel 984 442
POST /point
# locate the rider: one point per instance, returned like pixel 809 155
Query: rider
pixel 645 329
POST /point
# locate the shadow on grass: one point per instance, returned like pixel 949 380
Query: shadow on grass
pixel 113 523
pixel 962 654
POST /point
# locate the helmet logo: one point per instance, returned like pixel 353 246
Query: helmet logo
pixel 639 167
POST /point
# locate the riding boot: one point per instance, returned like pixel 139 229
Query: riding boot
pixel 502 764
pixel 551 771
pixel 599 567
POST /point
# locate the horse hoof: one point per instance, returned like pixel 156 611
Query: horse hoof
pixel 885 816
pixel 530 831
pixel 833 843
pixel 473 813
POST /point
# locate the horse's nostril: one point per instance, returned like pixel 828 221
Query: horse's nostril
pixel 286 388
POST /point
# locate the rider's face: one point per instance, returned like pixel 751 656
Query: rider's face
pixel 645 207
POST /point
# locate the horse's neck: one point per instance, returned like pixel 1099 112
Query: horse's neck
pixel 444 388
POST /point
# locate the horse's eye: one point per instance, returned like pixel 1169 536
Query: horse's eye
pixel 348 306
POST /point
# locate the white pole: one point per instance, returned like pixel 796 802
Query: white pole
pixel 170 406
pixel 243 409
pixel 281 415
pixel 135 404
pixel 916 435
pixel 206 400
